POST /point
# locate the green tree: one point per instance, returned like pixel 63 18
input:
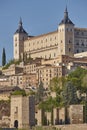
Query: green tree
pixel 57 83
pixel 40 92
pixel 48 104
pixel 69 94
pixel 84 85
pixel 3 57
pixel 77 76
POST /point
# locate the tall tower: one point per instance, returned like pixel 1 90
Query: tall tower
pixel 22 111
pixel 18 41
pixel 66 36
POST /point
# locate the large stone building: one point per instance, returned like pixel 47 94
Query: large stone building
pixel 66 40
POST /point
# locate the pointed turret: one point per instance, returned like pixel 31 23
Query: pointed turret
pixel 20 28
pixel 66 19
pixel 66 13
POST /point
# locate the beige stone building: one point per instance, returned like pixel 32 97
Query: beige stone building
pixel 40 69
pixel 5 92
pixel 23 80
pixel 12 69
pixel 4 81
pixel 47 72
pixel 66 40
pixel 22 112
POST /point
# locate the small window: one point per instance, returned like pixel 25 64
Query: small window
pixel 15 44
pixel 77 43
pixel 23 38
pixel 69 49
pixel 54 54
pixel 50 56
pixel 70 41
pixel 67 29
pixel 50 39
pixel 82 44
pixel 15 38
pixel 77 51
pixel 77 33
pixel 16 52
pixel 82 33
pixel 41 41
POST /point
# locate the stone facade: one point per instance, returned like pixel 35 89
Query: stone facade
pixel 13 69
pixel 70 115
pixel 76 114
pixel 22 112
pixel 48 72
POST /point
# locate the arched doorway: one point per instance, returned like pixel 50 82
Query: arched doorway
pixel 16 123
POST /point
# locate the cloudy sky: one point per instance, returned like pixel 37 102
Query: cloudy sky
pixel 38 16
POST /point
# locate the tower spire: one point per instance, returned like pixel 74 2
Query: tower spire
pixel 20 22
pixel 66 13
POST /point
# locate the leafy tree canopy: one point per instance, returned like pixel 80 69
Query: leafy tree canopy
pixel 78 73
pixel 48 104
pixel 56 83
pixel 77 76
pixel 84 84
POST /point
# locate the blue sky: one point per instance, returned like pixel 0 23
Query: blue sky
pixel 38 16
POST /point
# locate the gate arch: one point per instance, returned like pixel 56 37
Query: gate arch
pixel 16 123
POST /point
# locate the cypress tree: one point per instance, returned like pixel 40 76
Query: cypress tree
pixel 3 57
pixel 69 94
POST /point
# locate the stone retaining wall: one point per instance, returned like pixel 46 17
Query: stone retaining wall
pixel 72 127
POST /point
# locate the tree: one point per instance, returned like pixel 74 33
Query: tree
pixel 3 57
pixel 84 85
pixel 40 92
pixel 69 94
pixel 77 76
pixel 48 104
pixel 56 83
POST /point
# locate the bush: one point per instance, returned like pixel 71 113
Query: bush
pixel 19 92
